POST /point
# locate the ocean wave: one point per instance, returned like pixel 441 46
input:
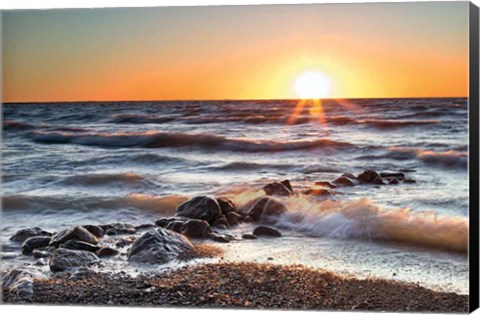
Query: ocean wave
pixel 176 139
pixel 379 123
pixel 446 159
pixel 140 119
pixel 363 219
pixel 94 180
pixel 156 204
pixel 19 125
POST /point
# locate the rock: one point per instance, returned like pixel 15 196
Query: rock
pixel 42 252
pixel 395 175
pixel 20 282
pixel 233 218
pixel 175 226
pixel 378 181
pixel 221 227
pixel 349 175
pixel 219 238
pixel 125 241
pixel 393 181
pixel 22 235
pixel 83 272
pixel 106 251
pixel 266 206
pixel 196 228
pixel 221 221
pixel 344 181
pixel 79 245
pixel 158 247
pixel 247 219
pixel 201 208
pixel 163 222
pixel 326 184
pixel 119 228
pixel 226 205
pixel 63 258
pixel 409 181
pixel 319 192
pixel 249 237
pixel 287 184
pixel 266 231
pixel 368 176
pixel 145 226
pixel 74 233
pixel 407 170
pixel 34 242
pixel 95 230
pixel 277 189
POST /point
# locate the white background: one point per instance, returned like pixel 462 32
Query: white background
pixel 77 310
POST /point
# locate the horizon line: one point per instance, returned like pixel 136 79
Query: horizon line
pixel 230 100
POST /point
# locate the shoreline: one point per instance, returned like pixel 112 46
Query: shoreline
pixel 241 285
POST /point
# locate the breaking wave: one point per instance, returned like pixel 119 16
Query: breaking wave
pixel 176 139
pixel 363 219
pixel 446 159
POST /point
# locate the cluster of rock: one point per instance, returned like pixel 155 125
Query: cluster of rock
pixel 368 177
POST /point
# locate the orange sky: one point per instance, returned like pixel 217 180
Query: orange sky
pixel 249 52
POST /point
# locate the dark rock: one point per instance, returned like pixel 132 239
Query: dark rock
pixel 407 170
pixel 74 233
pixel 219 238
pixel 349 175
pixel 326 184
pixel 266 231
pixel 343 181
pixel 175 226
pixel 287 184
pixel 233 218
pixel 42 252
pixel 368 176
pixel 95 230
pixel 144 226
pixel 201 208
pixel 79 245
pixel 34 242
pixel 106 251
pixel 249 237
pixel 266 206
pixel 377 181
pixel 319 192
pixel 393 181
pixel 226 205
pixel 20 282
pixel 22 235
pixel 196 228
pixel 159 246
pixel 277 189
pixel 63 258
pixel 221 227
pixel 119 228
pixel 247 219
pixel 163 222
pixel 409 181
pixel 221 221
pixel 394 175
pixel 125 241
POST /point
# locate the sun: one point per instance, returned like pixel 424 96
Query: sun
pixel 312 85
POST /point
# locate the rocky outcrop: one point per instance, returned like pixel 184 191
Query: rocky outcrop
pixel 278 188
pixel 266 231
pixel 196 228
pixel 78 233
pixel 158 247
pixel 34 242
pixel 62 259
pixel 265 207
pixel 368 176
pixel 22 235
pixel 343 181
pixel 79 245
pixel 201 208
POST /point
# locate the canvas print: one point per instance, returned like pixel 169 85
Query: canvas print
pixel 276 156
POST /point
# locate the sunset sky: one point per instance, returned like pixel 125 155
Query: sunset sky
pixel 235 52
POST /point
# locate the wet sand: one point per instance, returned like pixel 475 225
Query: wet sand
pixel 242 285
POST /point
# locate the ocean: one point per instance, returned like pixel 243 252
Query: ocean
pixel 65 164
